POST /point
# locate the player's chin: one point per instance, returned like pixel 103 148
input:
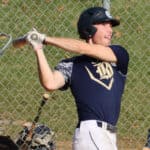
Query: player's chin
pixel 107 42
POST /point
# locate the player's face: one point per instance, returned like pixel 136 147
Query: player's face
pixel 103 34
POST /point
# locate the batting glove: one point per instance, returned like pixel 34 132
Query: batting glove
pixel 35 38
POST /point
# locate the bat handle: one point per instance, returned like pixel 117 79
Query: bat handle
pixel 44 99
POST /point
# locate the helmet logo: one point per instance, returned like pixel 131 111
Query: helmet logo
pixel 99 14
pixel 108 14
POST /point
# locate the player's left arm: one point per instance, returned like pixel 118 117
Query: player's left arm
pixel 81 47
pixel 98 51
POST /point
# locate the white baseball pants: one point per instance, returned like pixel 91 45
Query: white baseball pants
pixel 91 137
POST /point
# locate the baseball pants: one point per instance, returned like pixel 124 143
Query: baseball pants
pixel 89 136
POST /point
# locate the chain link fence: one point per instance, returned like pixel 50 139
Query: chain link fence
pixel 21 92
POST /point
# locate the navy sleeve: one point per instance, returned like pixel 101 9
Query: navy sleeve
pixel 122 58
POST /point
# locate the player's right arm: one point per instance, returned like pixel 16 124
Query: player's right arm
pixel 50 80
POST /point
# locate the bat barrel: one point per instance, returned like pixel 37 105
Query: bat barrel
pixel 19 42
pixel 3 38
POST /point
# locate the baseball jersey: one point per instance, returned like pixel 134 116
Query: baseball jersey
pixel 96 85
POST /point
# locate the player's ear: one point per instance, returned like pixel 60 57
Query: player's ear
pixel 90 41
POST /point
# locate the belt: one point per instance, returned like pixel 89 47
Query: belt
pixel 104 125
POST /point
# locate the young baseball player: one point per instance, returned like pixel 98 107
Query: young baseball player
pixel 96 77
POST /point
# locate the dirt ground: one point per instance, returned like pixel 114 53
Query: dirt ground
pixel 124 145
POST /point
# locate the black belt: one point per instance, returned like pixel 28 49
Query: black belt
pixel 107 126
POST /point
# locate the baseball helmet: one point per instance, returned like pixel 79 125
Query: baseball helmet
pixel 91 16
pixel 42 139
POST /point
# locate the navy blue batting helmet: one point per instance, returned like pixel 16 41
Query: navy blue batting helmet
pixel 91 16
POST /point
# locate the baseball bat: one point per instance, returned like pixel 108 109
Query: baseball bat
pixel 22 41
pixel 28 139
pixel 19 42
pixel 7 39
pixel 107 4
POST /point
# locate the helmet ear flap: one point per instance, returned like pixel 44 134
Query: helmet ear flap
pixel 87 32
pixel 86 29
pixel 91 31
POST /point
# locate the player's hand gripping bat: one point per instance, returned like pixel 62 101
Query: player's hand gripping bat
pixel 29 136
pixel 33 37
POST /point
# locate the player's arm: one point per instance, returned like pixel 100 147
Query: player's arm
pixel 51 80
pixel 81 47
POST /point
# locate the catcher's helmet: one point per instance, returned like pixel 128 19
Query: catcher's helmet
pixel 42 139
pixel 91 16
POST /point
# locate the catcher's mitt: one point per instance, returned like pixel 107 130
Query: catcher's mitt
pixel 42 139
